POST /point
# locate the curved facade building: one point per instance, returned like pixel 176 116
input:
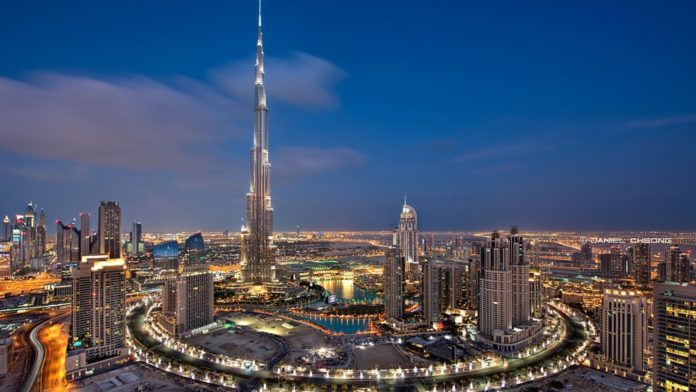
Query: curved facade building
pixel 194 243
pixel 167 249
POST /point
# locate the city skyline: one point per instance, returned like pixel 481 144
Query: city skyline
pixel 572 139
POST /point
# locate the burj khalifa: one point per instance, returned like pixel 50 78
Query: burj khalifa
pixel 257 259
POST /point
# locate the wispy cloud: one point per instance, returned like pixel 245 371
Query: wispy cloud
pixel 303 161
pixel 661 122
pixel 301 79
pixel 49 172
pixel 178 125
pixel 503 150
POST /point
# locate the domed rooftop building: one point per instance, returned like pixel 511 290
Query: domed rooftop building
pixel 408 234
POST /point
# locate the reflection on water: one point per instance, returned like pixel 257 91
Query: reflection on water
pixel 345 291
pixel 341 325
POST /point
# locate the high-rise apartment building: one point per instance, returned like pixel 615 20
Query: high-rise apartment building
pixel 624 331
pixel 6 229
pixel 674 337
pixel 187 301
pixel 614 265
pixel 84 233
pixel 535 292
pixel 110 229
pixel 495 287
pixel 136 238
pixel 431 291
pixel 505 306
pixel 394 269
pixel 519 267
pixel 642 259
pixel 677 266
pixel 67 243
pixel 99 307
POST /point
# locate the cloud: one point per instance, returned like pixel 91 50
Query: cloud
pixel 502 151
pixel 661 122
pixel 304 161
pixel 49 172
pixel 301 79
pixel 130 122
pixel 138 123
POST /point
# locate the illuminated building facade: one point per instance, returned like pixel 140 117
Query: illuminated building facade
pixel 642 259
pixel 99 307
pixel 6 228
pixel 431 291
pixel 187 301
pixel 677 266
pixel 495 285
pixel 407 235
pixel 505 308
pixel 136 240
pixel 624 330
pixel 5 259
pixel 110 229
pixel 519 267
pixel 394 269
pixel 674 330
pixel 194 249
pixel 67 243
pixel 84 234
pixel 257 257
pixel 614 265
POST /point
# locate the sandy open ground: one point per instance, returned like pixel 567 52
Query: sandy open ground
pixel 383 356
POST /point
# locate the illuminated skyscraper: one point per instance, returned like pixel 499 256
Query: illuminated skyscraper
pixel 136 238
pixel 505 303
pixel 674 329
pixel 257 252
pixel 99 306
pixel 187 300
pixel 110 229
pixel 41 234
pixel 393 283
pixel 495 285
pixel 677 266
pixel 408 234
pixel 6 229
pixel 521 304
pixel 431 291
pixel 642 258
pixel 613 265
pixel 84 233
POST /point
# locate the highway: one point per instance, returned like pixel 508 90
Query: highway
pixel 46 347
pixel 39 355
pixel 54 339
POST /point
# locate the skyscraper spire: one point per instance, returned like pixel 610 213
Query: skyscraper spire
pixel 259 64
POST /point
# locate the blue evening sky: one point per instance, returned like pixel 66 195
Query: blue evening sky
pixel 547 115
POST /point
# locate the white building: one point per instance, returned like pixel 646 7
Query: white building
pixel 407 235
pixel 624 330
pixel 98 331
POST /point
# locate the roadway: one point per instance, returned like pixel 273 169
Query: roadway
pixel 35 379
pixel 54 339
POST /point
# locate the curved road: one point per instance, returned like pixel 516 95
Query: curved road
pixel 575 336
pixel 39 355
pixel 35 378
